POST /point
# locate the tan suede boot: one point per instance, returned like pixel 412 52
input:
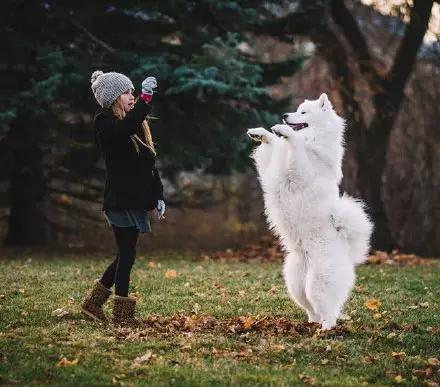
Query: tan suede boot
pixel 92 304
pixel 123 311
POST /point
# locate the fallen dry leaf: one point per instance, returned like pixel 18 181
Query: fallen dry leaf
pixel 434 361
pixel 426 373
pixel 152 264
pixel 196 308
pixel 369 359
pixel 170 274
pixel 359 289
pixel 277 347
pixel 372 304
pixel 65 363
pixel 398 355
pixel 272 290
pixel 247 322
pixel 143 359
pixel 431 383
pixel 60 312
pixel 432 330
pixel 308 380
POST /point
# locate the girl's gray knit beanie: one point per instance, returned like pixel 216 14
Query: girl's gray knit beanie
pixel 107 87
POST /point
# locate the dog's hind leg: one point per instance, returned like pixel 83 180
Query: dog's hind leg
pixel 294 272
pixel 328 285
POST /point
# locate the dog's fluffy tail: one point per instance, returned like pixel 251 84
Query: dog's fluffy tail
pixel 351 220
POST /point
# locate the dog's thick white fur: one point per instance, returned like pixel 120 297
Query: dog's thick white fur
pixel 325 235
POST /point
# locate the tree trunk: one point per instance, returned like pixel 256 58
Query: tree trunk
pixel 371 165
pixel 26 225
pixel 371 146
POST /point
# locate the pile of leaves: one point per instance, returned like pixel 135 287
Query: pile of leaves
pixel 269 249
pixel 237 325
pixel 395 258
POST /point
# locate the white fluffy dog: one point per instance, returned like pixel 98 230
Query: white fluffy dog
pixel 325 235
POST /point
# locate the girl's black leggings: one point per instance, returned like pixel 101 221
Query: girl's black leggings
pixel 118 272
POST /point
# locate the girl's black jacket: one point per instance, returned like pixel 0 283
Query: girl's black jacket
pixel 132 180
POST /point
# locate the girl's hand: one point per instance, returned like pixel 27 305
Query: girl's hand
pixel 160 207
pixel 148 85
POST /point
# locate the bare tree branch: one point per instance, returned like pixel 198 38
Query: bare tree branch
pixel 93 37
pixel 275 70
pixel 407 52
pixel 346 21
pixel 334 52
pixel 310 16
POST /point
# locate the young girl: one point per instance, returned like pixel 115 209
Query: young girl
pixel 132 186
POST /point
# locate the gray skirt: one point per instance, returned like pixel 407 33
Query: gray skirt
pixel 129 218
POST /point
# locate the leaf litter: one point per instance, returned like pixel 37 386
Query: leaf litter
pixel 199 324
pixel 269 249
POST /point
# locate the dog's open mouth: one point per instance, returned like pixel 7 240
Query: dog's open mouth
pixel 299 126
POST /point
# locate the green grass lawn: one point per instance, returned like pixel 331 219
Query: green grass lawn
pixel 397 343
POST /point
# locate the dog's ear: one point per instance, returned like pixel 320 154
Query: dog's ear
pixel 324 102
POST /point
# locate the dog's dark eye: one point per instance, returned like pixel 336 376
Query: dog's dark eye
pixel 303 112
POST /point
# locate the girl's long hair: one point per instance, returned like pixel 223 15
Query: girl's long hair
pixel 119 112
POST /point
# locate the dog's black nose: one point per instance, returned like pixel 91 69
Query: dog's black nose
pixel 285 115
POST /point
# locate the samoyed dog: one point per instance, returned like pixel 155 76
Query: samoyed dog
pixel 325 235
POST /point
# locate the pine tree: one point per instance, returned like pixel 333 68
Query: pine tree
pixel 209 92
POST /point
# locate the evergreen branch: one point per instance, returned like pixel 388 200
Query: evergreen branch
pixel 93 37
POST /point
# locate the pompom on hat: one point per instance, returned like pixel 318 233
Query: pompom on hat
pixel 107 87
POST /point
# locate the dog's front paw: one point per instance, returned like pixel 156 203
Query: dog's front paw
pixel 282 130
pixel 258 134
